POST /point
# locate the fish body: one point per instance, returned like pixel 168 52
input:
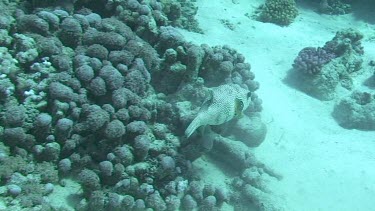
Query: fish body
pixel 224 103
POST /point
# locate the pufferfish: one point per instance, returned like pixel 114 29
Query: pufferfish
pixel 223 103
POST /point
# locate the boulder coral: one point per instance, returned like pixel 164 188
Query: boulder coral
pixel 280 12
pixel 356 111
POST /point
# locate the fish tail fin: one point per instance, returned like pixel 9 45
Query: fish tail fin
pixel 192 127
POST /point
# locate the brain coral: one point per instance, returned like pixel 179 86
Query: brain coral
pixel 280 12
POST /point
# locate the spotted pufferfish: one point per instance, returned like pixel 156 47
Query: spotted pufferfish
pixel 223 103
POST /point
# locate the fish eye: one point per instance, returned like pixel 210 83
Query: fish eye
pixel 241 105
pixel 248 95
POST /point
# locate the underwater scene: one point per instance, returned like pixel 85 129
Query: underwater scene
pixel 187 105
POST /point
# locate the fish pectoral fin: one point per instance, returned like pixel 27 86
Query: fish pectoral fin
pixel 202 129
pixel 239 115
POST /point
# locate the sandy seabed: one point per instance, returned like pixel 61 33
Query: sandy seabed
pixel 324 166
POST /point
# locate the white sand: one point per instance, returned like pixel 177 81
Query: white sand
pixel 325 167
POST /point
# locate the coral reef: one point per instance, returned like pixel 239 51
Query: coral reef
pixel 102 93
pixel 356 111
pixel 251 185
pixel 335 7
pixel 280 12
pixel 318 71
pixel 181 14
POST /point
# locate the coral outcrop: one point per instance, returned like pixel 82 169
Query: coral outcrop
pixel 356 111
pixel 280 12
pixel 319 71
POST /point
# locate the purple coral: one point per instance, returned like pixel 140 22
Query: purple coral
pixel 311 60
